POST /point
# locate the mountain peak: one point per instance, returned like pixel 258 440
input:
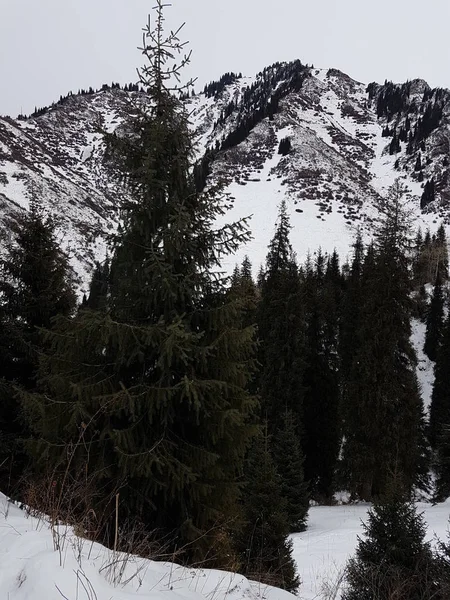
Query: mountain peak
pixel 327 144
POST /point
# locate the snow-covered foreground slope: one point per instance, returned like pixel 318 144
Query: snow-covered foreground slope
pixel 323 549
pixel 32 569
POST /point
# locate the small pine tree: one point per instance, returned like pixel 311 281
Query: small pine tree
pixel 287 453
pixel 429 194
pixel 266 551
pixel 393 561
pixel 418 165
pixel 394 146
pixel 98 288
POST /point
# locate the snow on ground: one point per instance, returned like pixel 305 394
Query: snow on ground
pixel 31 568
pixel 425 367
pixel 331 537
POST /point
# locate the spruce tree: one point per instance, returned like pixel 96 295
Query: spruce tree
pixel 151 393
pixel 350 311
pixel 322 383
pixel 393 561
pixel 442 465
pixel 383 419
pixel 243 286
pixel 435 320
pixel 281 330
pixel 36 284
pixel 98 288
pixel 281 325
pixel 288 457
pixel 263 538
pixel 440 398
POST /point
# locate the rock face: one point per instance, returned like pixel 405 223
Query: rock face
pixel 327 144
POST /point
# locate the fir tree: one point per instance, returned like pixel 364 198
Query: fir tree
pixel 350 313
pixel 98 288
pixel 288 458
pixel 281 330
pixel 322 383
pixel 442 465
pixel 394 146
pixel 266 548
pixel 435 321
pixel 280 382
pixel 155 387
pixel 36 285
pixel 384 423
pixel 429 194
pixel 418 165
pixel 393 561
pixel 440 398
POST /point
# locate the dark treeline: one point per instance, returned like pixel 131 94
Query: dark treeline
pixel 333 373
pixel 410 120
pixel 259 101
pixel 38 112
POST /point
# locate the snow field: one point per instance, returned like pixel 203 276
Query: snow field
pixel 322 551
pixel 32 569
pixel 37 563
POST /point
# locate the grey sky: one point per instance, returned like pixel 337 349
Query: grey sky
pixel 48 47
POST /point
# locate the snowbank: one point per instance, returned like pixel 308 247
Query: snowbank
pixel 32 569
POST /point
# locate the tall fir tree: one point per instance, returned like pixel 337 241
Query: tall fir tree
pixel 36 284
pixel 151 394
pixel 435 321
pixel 322 383
pixel 350 311
pixel 280 322
pixel 440 397
pixel 383 415
pixel 281 329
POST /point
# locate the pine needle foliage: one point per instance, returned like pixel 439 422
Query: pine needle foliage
pixel 281 326
pixel 435 321
pixel 36 285
pixel 151 391
pixel 266 551
pixel 393 560
pixel 383 412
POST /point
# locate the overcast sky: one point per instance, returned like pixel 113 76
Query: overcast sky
pixel 48 47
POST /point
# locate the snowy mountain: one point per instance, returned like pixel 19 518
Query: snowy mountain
pixel 327 144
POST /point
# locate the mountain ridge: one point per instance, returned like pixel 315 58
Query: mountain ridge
pixel 329 145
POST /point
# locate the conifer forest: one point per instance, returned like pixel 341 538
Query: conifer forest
pixel 202 412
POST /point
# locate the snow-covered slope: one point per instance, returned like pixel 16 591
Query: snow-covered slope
pixel 36 564
pixel 337 165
